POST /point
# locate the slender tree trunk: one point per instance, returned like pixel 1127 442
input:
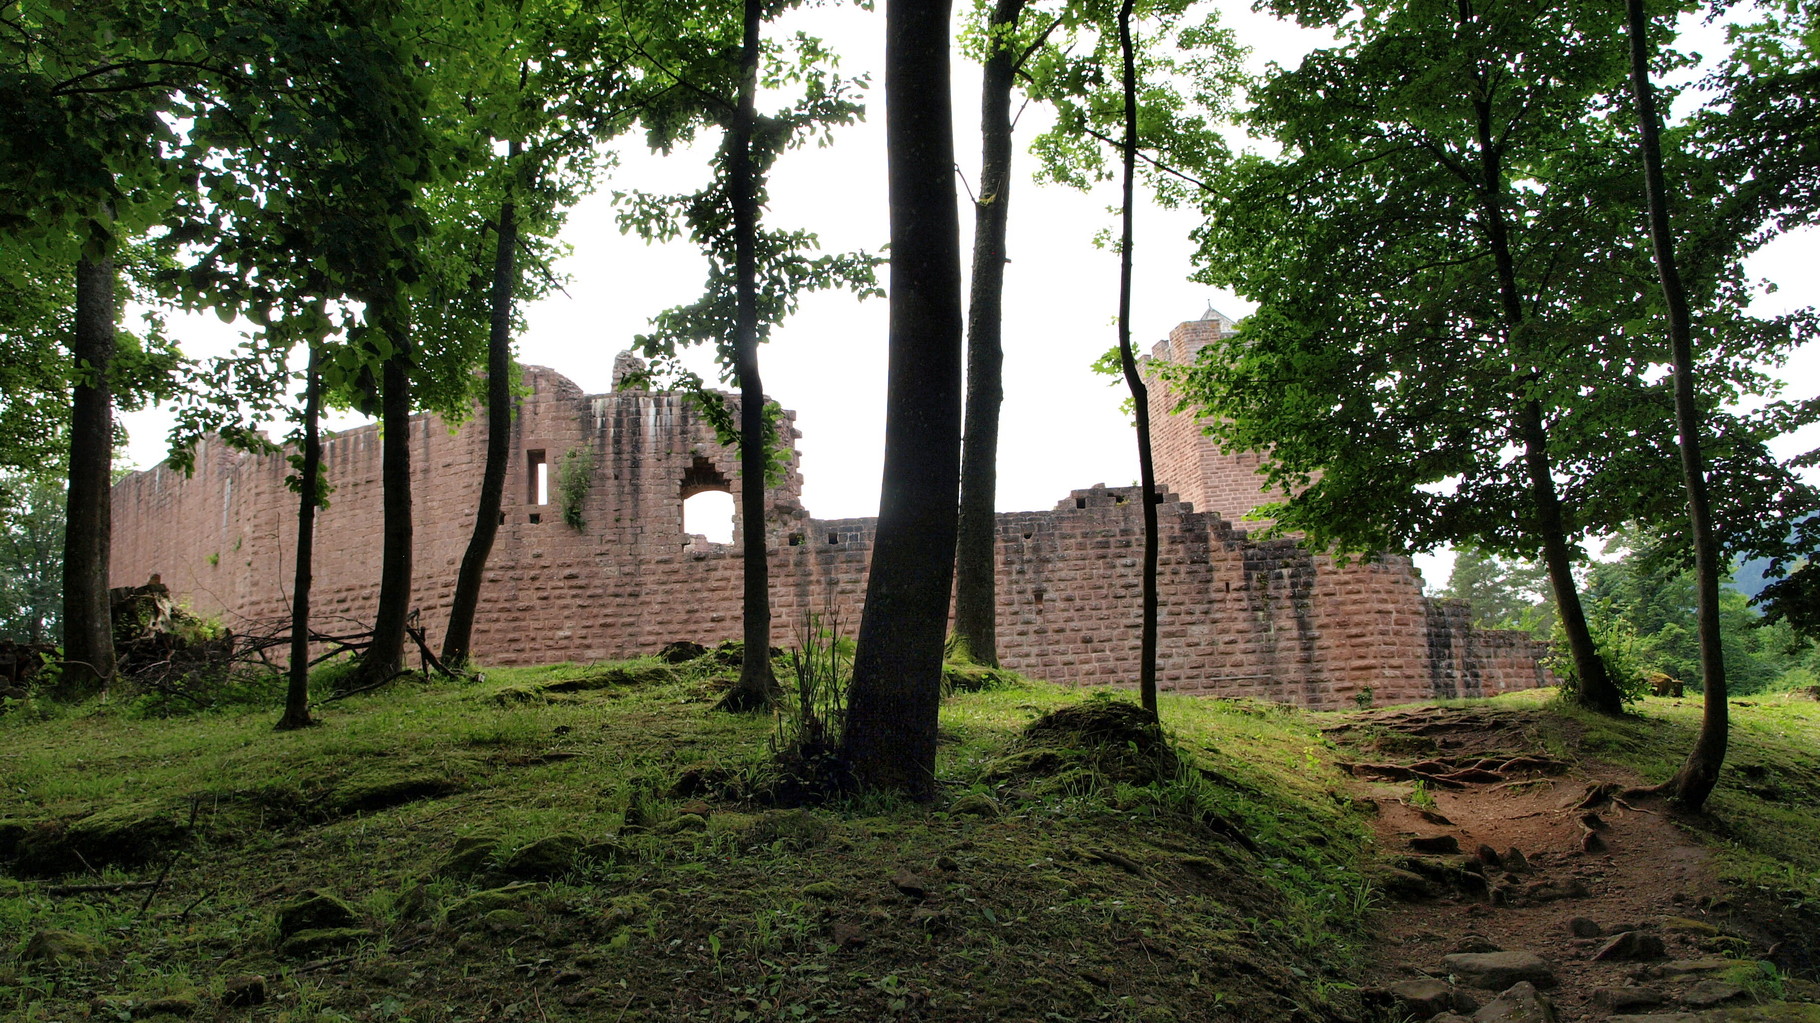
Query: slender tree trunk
pixel 1596 690
pixel 297 693
pixel 1694 782
pixel 757 686
pixel 976 545
pixel 88 628
pixel 457 639
pixel 892 705
pixel 385 657
pixel 1140 394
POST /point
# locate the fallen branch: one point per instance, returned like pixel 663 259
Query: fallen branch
pixel 98 889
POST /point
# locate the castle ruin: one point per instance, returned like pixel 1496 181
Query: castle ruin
pixel 1239 616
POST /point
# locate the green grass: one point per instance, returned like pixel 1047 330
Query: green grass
pixel 1095 898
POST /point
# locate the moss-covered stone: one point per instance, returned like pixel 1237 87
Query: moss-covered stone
pixel 469 857
pixel 311 943
pixel 625 910
pixel 370 791
pixel 506 920
pixel 545 859
pixel 55 945
pixel 314 910
pixel 975 804
pixel 183 1003
pixel 473 907
pixel 126 834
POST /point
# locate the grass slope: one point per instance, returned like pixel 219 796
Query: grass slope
pixel 550 845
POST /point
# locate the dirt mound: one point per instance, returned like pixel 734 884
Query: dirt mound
pixel 1090 743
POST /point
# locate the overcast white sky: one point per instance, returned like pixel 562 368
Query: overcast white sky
pixel 1062 427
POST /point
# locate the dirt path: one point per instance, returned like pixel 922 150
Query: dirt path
pixel 1505 863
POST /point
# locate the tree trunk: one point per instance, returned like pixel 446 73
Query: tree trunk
pixel 757 686
pixel 1694 782
pixel 458 638
pixel 297 693
pixel 1140 394
pixel 976 544
pixel 1596 691
pixel 385 657
pixel 88 628
pixel 893 702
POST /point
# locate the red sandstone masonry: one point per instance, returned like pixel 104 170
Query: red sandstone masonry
pixel 1239 617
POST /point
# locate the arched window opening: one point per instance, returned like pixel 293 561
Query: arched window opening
pixel 709 514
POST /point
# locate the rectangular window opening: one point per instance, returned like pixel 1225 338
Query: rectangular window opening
pixel 834 538
pixel 537 490
pixel 536 518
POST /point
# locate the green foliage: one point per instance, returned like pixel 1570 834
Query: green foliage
pixel 1615 641
pixel 1505 593
pixel 31 556
pixel 1467 188
pixel 574 478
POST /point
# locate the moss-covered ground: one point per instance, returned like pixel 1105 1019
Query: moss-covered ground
pixel 570 843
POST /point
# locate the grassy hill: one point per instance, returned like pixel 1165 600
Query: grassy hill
pixel 581 843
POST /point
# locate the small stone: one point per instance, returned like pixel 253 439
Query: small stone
pixel 314 942
pixel 469 856
pixel 1683 967
pixel 243 990
pixel 1687 925
pixel 697 807
pixel 545 859
pixel 1499 970
pixel 935 921
pixel 479 904
pixel 1710 992
pixel 1582 927
pixel 55 945
pixel 1475 943
pixel 1489 856
pixel 947 864
pixel 505 921
pixel 314 910
pixel 1444 844
pixel 1515 860
pixel 1631 945
pixel 1424 997
pixel 686 822
pixel 168 1005
pixel 846 935
pixel 1627 999
pixel 1591 843
pixel 1520 1003
pixel 909 884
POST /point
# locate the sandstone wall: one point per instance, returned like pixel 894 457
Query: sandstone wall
pixel 1240 617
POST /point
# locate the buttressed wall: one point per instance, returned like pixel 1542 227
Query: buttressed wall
pixel 1239 617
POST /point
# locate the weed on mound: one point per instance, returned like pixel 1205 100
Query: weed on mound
pixel 1089 744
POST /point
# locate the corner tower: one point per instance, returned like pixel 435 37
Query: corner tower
pixel 1188 462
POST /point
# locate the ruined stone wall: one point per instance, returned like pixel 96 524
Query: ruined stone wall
pixel 1239 617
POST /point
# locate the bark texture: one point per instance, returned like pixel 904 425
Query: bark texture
pixel 896 692
pixel 297 691
pixel 458 638
pixel 1140 394
pixel 757 686
pixel 976 546
pixel 1697 776
pixel 385 657
pixel 88 628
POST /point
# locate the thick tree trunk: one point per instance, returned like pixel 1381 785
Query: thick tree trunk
pixel 385 657
pixel 757 686
pixel 1596 690
pixel 457 640
pixel 976 545
pixel 297 693
pixel 1140 395
pixel 889 740
pixel 88 628
pixel 1694 782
